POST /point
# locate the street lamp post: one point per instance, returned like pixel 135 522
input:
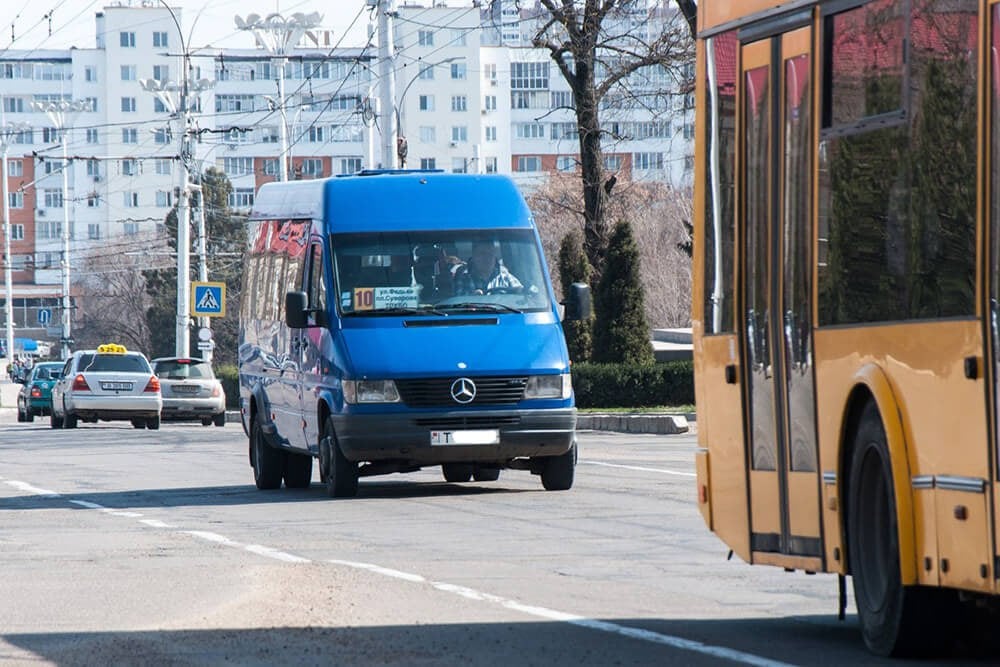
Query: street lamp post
pixel 400 111
pixel 60 113
pixel 7 134
pixel 278 35
pixel 174 96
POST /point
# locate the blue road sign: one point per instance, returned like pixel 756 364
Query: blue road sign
pixel 44 316
pixel 208 299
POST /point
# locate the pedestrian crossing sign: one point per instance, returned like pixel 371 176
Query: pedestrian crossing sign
pixel 208 299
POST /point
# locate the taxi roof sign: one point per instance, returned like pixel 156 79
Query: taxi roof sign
pixel 111 348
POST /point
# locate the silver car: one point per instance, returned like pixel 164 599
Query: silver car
pixel 109 383
pixel 190 390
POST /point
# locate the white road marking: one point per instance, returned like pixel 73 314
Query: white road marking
pixel 640 468
pixel 573 619
pixel 268 552
pixel 156 523
pixel 212 537
pixel 24 486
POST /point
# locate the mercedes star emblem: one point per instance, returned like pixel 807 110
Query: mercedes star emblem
pixel 463 390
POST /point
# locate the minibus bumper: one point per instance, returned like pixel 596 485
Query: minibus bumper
pixel 407 437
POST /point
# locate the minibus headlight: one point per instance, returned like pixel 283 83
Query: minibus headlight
pixel 370 391
pixel 548 386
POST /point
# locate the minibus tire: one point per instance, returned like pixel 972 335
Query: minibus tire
pixel 153 423
pixel 55 421
pixel 558 473
pixel 138 423
pixel 895 620
pixel 298 470
pixel 341 474
pixel 70 420
pixel 267 461
pixel 457 472
pixel 486 473
pixel 219 419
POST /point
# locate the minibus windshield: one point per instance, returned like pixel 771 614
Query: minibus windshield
pixel 439 272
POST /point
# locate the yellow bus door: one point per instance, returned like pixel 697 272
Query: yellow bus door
pixel 777 297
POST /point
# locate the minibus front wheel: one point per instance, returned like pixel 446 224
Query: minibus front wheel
pixel 340 475
pixel 558 471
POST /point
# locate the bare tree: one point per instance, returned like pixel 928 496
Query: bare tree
pixel 658 213
pixel 601 49
pixel 113 301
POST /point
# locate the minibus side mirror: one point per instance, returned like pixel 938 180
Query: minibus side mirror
pixel 296 309
pixel 577 302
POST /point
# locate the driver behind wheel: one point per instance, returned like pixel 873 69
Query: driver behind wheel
pixel 484 272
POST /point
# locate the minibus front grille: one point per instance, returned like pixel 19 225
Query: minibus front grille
pixel 437 392
pixel 451 423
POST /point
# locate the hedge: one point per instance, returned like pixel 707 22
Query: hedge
pixel 633 385
pixel 229 375
pixel 596 385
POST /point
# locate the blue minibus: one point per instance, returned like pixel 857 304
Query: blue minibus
pixel 396 320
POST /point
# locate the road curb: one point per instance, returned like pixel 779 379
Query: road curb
pixel 633 423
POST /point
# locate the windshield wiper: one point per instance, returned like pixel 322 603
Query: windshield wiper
pixel 425 310
pixel 480 305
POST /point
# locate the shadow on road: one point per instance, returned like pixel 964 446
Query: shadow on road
pixel 820 641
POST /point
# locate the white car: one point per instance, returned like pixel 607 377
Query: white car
pixel 190 391
pixel 109 383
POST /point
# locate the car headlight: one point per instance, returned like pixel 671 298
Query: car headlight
pixel 549 386
pixel 370 391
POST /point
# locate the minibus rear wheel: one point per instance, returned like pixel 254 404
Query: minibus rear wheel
pixel 267 461
pixel 456 472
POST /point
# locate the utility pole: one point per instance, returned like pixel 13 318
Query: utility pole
pixel 7 134
pixel 59 114
pixel 279 35
pixel 387 76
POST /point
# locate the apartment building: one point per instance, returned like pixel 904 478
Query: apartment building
pixel 471 95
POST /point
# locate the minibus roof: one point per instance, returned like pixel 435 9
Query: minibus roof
pixel 397 200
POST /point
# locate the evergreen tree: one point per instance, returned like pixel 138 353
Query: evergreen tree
pixel 574 268
pixel 225 234
pixel 621 334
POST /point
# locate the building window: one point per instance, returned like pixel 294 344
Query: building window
pixel 425 38
pixel 427 103
pixel 234 103
pixel 93 201
pixel 16 232
pixel 160 40
pixel 237 166
pixel 647 161
pixel 130 135
pixel 459 71
pixel 52 198
pixel 92 137
pixel 427 73
pixel 491 165
pixel 269 134
pixel 93 231
pixel 48 229
pixel 90 74
pixel 613 162
pixel 566 163
pixel 529 130
pixel 312 167
pixel 128 105
pixel 271 166
pixel 162 135
pixel 529 76
pixel 528 163
pixel 459 165
pixel 130 228
pixel 428 163
pixel 350 165
pixel 241 198
pixel 164 199
pixel 91 104
pixel 163 167
pixel 459 133
pixel 131 199
pixel 126 40
pixel 562 99
pixel 459 103
pixel 490 103
pixel 491 132
pixel 130 167
pixel 128 72
pixel 316 134
pixel 688 163
pixel 15 167
pixel 428 135
pixel 13 104
pixel 161 72
pixel 16 199
pixel 458 36
pixel 159 106
pixel 490 72
pixel 50 135
pixel 94 168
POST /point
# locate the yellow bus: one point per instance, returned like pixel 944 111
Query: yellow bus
pixel 847 276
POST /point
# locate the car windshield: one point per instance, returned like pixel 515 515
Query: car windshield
pixel 439 272
pixel 48 372
pixel 123 363
pixel 183 369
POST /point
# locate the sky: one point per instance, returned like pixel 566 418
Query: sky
pixel 206 22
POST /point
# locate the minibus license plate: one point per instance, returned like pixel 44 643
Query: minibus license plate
pixel 480 437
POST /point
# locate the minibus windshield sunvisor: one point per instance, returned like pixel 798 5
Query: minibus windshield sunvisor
pixel 439 272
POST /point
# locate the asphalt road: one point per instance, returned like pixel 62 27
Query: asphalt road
pixel 153 547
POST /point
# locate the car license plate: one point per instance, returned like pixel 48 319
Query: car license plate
pixel 479 437
pixel 116 386
pixel 185 389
